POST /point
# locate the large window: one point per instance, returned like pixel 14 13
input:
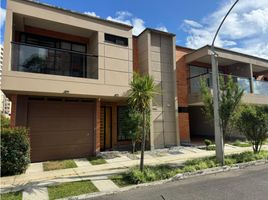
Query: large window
pixel 122 123
pixel 39 54
pixel 116 39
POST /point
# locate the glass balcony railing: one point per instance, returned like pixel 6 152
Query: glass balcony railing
pixel 260 87
pixel 244 83
pixel 45 60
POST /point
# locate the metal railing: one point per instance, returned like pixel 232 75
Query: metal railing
pixel 46 60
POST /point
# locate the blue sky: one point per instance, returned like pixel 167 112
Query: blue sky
pixel 193 21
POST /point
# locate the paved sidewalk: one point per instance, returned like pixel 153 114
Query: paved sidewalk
pixel 34 177
pixel 35 193
pixel 104 184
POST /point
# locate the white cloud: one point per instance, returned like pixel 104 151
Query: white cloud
pixel 138 26
pixel 192 23
pixel 162 28
pixel 126 17
pixel 245 29
pixel 91 14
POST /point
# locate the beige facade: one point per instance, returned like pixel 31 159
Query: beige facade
pixel 156 58
pixel 114 62
pixel 105 72
pixel 5 104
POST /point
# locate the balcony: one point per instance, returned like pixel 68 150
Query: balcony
pixel 258 94
pixel 260 87
pixel 46 60
pixel 243 82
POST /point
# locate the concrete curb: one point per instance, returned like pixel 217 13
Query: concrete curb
pixel 177 177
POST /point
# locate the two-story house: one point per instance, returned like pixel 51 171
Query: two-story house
pixel 67 75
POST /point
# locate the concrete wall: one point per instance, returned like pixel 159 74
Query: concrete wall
pixel 114 61
pixel 157 58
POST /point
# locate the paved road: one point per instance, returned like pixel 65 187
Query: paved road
pixel 243 184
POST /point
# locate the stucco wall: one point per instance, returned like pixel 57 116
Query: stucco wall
pixel 115 62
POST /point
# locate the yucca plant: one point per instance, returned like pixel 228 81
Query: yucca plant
pixel 141 93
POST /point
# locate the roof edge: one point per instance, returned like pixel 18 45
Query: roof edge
pixel 76 13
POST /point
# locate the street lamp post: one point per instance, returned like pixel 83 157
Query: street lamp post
pixel 215 83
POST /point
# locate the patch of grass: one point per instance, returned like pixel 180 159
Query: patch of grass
pixel 71 189
pixel 61 164
pixel 120 180
pixel 211 148
pixel 12 196
pixel 154 173
pixel 96 160
pixel 239 143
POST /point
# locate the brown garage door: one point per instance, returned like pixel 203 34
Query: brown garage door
pixel 60 130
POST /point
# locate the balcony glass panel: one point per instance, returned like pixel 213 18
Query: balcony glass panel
pixel 244 83
pixel 260 87
pixel 45 60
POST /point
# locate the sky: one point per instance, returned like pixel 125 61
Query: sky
pixel 193 21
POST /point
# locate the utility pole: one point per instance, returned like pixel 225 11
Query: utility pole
pixel 215 83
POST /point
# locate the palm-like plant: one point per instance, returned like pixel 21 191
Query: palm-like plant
pixel 142 92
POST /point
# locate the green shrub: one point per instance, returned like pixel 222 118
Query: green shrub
pixel 5 122
pixel 229 161
pixel 207 142
pixel 189 168
pixel 252 122
pixel 15 151
pixel 150 173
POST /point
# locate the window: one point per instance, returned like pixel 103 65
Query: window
pixel 183 110
pixel 122 123
pixel 52 42
pixel 116 39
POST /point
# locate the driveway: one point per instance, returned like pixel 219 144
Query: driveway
pixel 246 184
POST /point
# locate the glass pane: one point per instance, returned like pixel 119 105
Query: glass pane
pixel 260 87
pixel 79 48
pixel 66 45
pixel 78 65
pixel 34 59
pixel 122 117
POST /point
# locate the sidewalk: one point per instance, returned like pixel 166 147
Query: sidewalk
pixel 34 178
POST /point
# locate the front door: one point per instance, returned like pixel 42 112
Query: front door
pixel 106 128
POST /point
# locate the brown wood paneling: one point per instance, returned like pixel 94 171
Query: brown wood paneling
pixel 60 130
pixel 54 34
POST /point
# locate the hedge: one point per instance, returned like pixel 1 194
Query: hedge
pixel 15 150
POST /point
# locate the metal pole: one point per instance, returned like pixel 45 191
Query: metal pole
pixel 215 83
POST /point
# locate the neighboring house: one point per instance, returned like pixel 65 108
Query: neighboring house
pixel 68 77
pixel 5 104
pixel 250 72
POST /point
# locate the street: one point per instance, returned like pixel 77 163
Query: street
pixel 242 184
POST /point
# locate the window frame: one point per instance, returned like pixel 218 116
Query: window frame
pixel 110 38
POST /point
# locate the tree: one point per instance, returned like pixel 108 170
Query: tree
pixel 230 96
pixel 132 127
pixel 252 121
pixel 141 93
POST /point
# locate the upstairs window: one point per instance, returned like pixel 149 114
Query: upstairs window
pixel 116 39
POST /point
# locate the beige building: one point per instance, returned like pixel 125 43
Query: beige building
pixel 67 75
pixel 5 104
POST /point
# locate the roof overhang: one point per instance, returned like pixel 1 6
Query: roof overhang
pixel 225 57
